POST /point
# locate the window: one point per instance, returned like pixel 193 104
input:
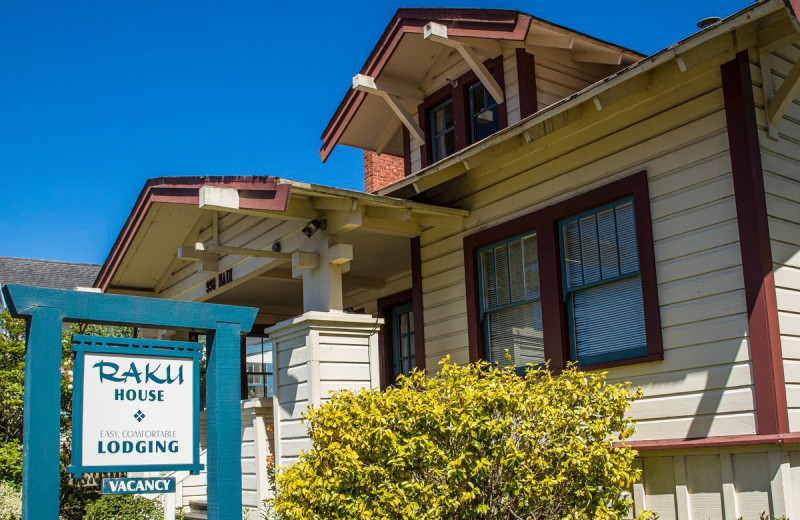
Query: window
pixel 574 281
pixel 511 307
pixel 484 119
pixel 443 136
pixel 403 358
pixel 602 285
pixel 258 364
pixel 458 114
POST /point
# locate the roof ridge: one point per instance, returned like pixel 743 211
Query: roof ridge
pixel 42 260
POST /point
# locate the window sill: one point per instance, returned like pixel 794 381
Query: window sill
pixel 649 358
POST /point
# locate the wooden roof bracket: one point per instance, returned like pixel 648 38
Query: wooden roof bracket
pixel 437 32
pixel 778 102
pixel 368 84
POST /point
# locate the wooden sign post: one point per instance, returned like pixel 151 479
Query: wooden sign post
pixel 45 310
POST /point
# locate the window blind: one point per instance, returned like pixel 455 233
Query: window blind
pixel 603 286
pixel 510 297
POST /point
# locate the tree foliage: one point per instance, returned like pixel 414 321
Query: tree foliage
pixel 124 507
pixel 475 441
pixel 74 495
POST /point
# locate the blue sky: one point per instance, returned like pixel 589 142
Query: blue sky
pixel 98 96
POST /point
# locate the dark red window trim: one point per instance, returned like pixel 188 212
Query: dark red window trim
pixel 759 283
pixel 526 78
pixel 545 222
pixel 460 97
pixel 385 350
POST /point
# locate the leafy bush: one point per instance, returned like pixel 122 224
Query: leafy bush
pixel 124 507
pixel 10 502
pixel 473 442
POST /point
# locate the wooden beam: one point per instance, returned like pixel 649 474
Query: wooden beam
pixel 243 251
pixel 553 41
pixel 437 32
pixel 340 254
pixel 391 227
pixel 343 221
pixel 785 95
pixel 387 138
pixel 280 274
pixel 208 261
pixel 366 282
pixel 367 84
pixel 601 57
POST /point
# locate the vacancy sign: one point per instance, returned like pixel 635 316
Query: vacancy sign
pixel 135 405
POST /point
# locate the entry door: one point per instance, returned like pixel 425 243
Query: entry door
pixel 403 339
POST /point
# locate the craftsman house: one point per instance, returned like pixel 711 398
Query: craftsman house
pixel 535 189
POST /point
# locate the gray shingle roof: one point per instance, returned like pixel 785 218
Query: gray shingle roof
pixel 46 273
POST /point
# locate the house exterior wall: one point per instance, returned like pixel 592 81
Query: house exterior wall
pixel 781 164
pixel 557 77
pixel 675 132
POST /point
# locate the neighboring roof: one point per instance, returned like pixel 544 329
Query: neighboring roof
pixel 413 184
pixel 491 24
pixel 47 273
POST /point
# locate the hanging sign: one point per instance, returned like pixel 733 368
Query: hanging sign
pixel 135 405
pixel 138 486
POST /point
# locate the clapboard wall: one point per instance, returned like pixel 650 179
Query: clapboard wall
pixel 780 155
pixel 675 130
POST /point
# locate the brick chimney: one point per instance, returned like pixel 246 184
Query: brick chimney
pixel 381 170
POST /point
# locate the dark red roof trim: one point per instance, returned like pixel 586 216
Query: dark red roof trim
pixel 476 23
pixel 255 192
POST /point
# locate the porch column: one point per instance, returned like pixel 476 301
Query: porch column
pixel 321 266
pixel 314 354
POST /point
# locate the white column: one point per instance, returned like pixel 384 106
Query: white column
pixel 322 272
pixel 314 354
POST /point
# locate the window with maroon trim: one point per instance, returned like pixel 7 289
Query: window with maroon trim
pixel 398 349
pixel 460 114
pixel 572 282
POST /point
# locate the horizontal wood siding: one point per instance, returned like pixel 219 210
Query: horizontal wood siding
pixel 781 164
pixel 704 385
pixel 720 484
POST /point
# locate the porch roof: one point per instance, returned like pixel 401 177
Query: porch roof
pixel 177 235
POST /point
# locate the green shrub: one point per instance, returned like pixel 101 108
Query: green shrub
pixel 10 502
pixel 124 507
pixel 473 442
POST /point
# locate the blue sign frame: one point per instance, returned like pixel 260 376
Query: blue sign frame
pixel 82 344
pixel 46 310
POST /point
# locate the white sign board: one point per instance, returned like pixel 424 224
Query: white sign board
pixel 137 410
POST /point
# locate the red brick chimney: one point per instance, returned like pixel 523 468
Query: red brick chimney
pixel 381 170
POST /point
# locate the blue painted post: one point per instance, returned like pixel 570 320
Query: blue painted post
pixel 42 415
pixel 223 422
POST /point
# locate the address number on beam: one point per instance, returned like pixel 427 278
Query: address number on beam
pixel 223 278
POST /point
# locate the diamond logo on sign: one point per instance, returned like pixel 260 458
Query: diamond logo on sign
pixel 139 416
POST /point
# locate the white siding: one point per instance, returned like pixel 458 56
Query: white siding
pixel 781 164
pixel 704 385
pixel 721 483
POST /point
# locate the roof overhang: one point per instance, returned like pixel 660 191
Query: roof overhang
pixel 459 163
pixel 409 60
pixel 171 215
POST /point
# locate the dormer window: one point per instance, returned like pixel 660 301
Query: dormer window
pixel 443 130
pixel 484 120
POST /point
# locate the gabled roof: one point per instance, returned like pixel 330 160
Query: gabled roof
pixel 47 273
pixel 397 45
pixel 445 169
